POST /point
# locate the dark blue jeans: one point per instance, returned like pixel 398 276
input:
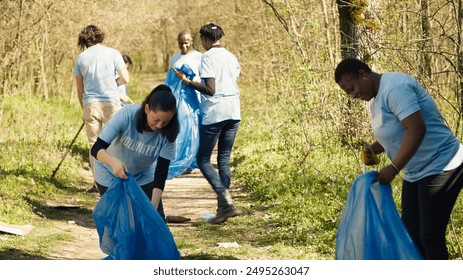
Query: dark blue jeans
pixel 426 208
pixel 223 134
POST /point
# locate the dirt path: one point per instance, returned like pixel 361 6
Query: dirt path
pixel 188 195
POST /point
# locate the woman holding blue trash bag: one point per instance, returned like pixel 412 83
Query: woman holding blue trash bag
pixel 220 104
pixel 186 55
pixel 139 139
pixel 187 60
pixel 408 126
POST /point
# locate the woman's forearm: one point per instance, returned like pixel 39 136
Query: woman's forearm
pixel 118 167
pixel 156 197
pixel 415 131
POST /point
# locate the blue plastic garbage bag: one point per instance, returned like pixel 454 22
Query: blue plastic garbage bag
pixel 370 226
pixel 129 226
pixel 189 116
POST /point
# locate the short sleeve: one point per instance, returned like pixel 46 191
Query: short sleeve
pixel 118 59
pixel 402 100
pixel 77 69
pixel 168 150
pixel 207 67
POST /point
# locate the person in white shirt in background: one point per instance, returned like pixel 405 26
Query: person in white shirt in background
pixel 97 88
pixel 188 105
pixel 123 90
pixel 220 104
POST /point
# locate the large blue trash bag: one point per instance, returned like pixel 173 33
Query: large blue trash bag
pixel 370 226
pixel 189 116
pixel 129 226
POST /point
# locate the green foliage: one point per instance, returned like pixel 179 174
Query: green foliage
pixel 297 147
pixel 35 135
pixel 298 168
pixel 304 199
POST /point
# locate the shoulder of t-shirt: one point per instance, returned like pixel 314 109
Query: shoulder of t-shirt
pixel 114 50
pixel 393 80
pixel 397 85
pixel 197 53
pixel 129 111
pixel 399 77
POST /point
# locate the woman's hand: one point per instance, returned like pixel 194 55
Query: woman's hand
pixel 386 174
pixel 180 75
pixel 368 157
pixel 119 169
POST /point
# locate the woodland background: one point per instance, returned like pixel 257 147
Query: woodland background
pixel 288 49
pixel 297 150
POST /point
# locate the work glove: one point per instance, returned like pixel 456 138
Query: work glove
pixel 368 157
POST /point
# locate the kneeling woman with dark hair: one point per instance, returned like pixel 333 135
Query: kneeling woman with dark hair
pixel 139 139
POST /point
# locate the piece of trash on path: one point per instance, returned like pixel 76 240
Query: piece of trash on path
pixel 177 219
pixel 207 216
pixel 58 205
pixel 228 244
pixel 15 229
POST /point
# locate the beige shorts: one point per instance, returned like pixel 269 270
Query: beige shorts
pixel 95 115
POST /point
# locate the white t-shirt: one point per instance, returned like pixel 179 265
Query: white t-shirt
pixel 222 65
pixel 399 96
pixel 97 66
pixel 192 59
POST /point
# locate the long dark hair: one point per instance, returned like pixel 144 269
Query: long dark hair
pixel 160 98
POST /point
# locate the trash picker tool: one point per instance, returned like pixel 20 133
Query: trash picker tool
pixel 67 151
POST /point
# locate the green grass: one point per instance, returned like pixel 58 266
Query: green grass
pixel 291 185
pixel 35 135
pixel 253 231
pixel 300 173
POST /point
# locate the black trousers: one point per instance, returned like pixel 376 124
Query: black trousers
pixel 426 208
pixel 147 189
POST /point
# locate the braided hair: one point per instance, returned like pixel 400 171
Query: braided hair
pixel 212 31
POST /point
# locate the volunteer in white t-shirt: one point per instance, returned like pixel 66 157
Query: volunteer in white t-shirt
pixel 408 126
pixel 220 104
pixel 139 139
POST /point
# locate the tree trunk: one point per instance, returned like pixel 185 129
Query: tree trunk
pixel 359 38
pixel 43 72
pixel 326 22
pixel 348 30
pixel 459 58
pixel 425 61
pixel 359 28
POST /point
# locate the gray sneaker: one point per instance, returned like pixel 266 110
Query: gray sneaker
pixel 223 216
